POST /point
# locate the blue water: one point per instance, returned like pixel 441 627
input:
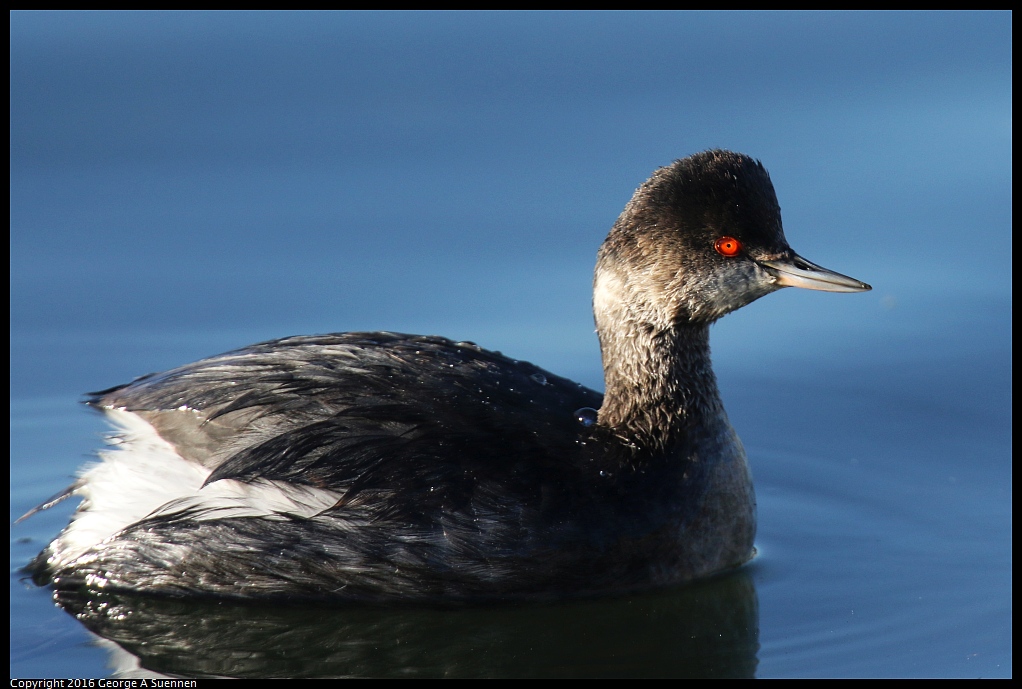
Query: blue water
pixel 184 184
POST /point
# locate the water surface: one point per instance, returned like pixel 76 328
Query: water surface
pixel 184 184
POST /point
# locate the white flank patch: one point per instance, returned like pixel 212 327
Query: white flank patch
pixel 143 476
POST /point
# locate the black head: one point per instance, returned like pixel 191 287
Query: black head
pixel 700 238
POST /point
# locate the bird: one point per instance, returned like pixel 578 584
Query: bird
pixel 379 466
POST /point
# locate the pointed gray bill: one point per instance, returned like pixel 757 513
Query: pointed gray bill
pixel 798 272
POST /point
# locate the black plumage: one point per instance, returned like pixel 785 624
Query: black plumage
pixel 386 466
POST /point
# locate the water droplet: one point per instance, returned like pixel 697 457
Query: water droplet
pixel 539 378
pixel 587 416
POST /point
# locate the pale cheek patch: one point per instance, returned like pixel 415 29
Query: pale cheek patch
pixel 608 293
pixel 722 293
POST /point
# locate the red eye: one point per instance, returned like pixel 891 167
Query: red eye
pixel 727 246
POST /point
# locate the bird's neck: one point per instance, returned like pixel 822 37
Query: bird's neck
pixel 660 386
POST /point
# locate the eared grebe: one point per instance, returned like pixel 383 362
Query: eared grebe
pixel 382 466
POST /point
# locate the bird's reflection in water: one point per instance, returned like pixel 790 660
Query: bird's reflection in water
pixel 708 629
